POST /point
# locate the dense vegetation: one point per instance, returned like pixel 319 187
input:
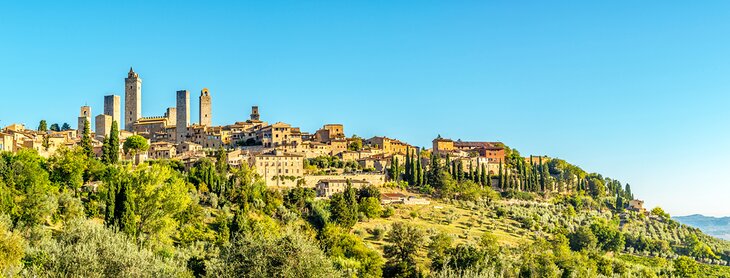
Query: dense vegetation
pixel 75 215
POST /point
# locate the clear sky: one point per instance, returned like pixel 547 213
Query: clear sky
pixel 635 90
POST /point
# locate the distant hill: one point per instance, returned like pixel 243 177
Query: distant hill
pixel 714 226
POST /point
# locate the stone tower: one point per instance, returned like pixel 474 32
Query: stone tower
pixel 84 116
pixel 103 125
pixel 171 116
pixel 254 113
pixel 183 115
pixel 132 99
pixel 205 108
pixel 112 106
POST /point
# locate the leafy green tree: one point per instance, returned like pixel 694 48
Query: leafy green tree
pixel 583 239
pixel 11 247
pixel 350 253
pixel 609 238
pixel 65 127
pixel 160 194
pixel 405 244
pixel 23 175
pixel 55 127
pixel 86 249
pixel 438 249
pixel 344 208
pixel 658 211
pixel 298 199
pixel 685 267
pixel 355 144
pixel 135 144
pixel 261 254
pixel 66 168
pixel 370 206
pixel 43 126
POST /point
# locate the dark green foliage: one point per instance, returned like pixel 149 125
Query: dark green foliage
pixel 43 126
pixel 583 239
pixel 298 199
pixel 405 244
pixel 112 154
pixel 344 208
pixel 86 140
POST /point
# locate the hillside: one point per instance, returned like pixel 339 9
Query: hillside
pixel 714 226
pixel 74 215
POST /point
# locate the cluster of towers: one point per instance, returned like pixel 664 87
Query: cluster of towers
pixel 133 109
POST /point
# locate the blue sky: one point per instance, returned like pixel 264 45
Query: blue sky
pixel 636 90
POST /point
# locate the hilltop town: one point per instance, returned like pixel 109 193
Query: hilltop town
pixel 160 196
pixel 278 151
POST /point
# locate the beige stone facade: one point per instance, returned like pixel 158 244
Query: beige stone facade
pixel 162 150
pixel 330 132
pixel 279 134
pixel 328 187
pixel 103 125
pixel 112 106
pixel 388 145
pixel 279 169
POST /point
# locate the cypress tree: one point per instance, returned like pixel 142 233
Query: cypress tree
pixel 408 174
pixel 419 173
pixel 501 176
pixel 478 175
pixel 105 151
pixel 489 180
pixel 114 143
pixel 485 176
pixel 124 210
pixel 86 140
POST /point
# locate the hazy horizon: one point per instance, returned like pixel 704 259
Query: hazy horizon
pixel 638 98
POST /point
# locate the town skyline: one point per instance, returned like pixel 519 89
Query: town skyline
pixel 466 72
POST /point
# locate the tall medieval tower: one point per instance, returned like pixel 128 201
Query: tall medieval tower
pixel 132 99
pixel 205 108
pixel 183 115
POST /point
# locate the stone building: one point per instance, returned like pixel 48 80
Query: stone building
pixel 388 145
pixel 103 125
pixel 112 106
pixel 205 111
pixel 255 113
pixel 330 132
pixel 494 151
pixel 279 169
pixel 84 116
pixel 171 115
pixel 279 135
pixel 132 99
pixel 328 187
pixel 162 150
pixel 149 127
pixel 183 115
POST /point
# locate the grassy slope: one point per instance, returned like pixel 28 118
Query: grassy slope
pixel 467 225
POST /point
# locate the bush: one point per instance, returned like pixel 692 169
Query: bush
pixel 389 211
pixel 86 249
